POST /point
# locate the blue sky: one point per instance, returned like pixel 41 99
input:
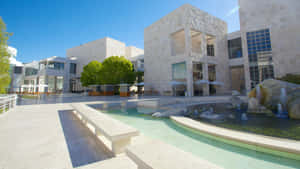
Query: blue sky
pixel 45 28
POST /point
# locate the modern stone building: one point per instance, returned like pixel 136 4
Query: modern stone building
pixel 99 50
pixel 186 54
pixel 270 32
pixel 190 50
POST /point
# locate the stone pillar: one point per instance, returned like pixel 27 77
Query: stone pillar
pixel 189 63
pixel 205 77
pixel 203 44
pixel 190 81
pixel 188 42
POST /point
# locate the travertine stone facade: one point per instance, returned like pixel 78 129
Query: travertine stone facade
pixel 100 50
pixel 170 40
pixel 282 18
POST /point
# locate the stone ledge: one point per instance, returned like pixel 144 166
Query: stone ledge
pixel 157 155
pixel 121 162
pixel 266 144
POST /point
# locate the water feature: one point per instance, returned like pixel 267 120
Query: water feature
pixel 258 93
pixel 219 153
pixel 283 98
pixel 280 112
pixel 282 105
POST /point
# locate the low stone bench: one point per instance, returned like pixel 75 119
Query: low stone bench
pixel 118 133
pixel 158 155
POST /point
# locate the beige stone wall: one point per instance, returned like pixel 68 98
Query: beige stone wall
pixel 132 51
pixel 282 18
pixel 85 53
pixel 99 50
pixel 115 48
pixel 158 50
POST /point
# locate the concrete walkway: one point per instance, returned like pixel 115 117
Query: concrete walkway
pixel 46 136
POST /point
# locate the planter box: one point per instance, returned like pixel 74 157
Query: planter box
pixel 107 90
pixel 124 90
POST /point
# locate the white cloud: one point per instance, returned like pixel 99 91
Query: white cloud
pixel 12 60
pixel 233 11
pixel 12 51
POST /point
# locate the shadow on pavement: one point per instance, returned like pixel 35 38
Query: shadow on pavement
pixel 83 146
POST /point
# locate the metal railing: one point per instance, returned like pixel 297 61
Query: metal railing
pixel 7 102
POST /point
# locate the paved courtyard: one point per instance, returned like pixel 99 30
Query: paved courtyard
pixel 44 134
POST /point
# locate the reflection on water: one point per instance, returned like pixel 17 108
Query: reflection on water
pixel 225 155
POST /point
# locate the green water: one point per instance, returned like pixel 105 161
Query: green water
pixel 224 155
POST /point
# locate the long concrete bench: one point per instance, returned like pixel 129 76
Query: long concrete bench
pixel 118 133
pixel 158 155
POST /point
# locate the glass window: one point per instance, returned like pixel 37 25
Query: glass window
pixel 210 50
pixel 30 71
pixel 235 48
pixel 73 68
pixel 179 71
pixel 18 69
pixel 56 65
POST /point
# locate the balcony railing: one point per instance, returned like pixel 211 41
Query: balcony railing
pixel 7 102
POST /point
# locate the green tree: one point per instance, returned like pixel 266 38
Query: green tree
pixel 4 58
pixel 90 74
pixel 116 70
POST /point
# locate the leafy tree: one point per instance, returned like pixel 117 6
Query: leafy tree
pixel 116 70
pixel 140 76
pixel 4 58
pixel 90 74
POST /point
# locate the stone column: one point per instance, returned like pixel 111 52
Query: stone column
pixel 205 77
pixel 188 41
pixel 203 44
pixel 190 81
pixel 189 63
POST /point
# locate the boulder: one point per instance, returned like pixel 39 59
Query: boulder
pixel 252 104
pixel 294 104
pixel 271 92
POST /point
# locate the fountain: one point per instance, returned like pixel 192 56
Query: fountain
pixel 283 97
pixel 243 114
pixel 280 111
pixel 258 93
pixel 244 117
pixel 282 105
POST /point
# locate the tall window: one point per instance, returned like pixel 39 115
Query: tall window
pixel 197 71
pixel 179 71
pixel 235 48
pixel 210 50
pixel 73 68
pixel 260 56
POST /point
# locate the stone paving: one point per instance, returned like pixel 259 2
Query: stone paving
pixel 40 135
pixel 46 136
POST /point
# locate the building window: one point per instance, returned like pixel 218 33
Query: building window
pixel 18 69
pixel 260 56
pixel 210 50
pixel 56 66
pixel 179 71
pixel 197 71
pixel 235 48
pixel 30 71
pixel 73 68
